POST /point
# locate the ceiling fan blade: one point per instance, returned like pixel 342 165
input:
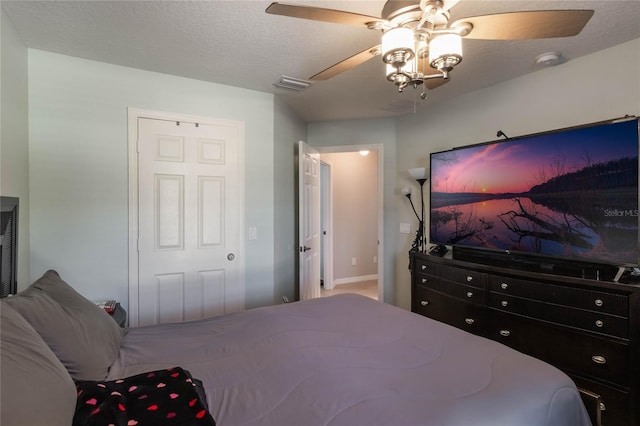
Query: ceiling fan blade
pixel 321 14
pixel 527 25
pixel 347 64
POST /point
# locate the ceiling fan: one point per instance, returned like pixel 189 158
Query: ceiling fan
pixel 420 46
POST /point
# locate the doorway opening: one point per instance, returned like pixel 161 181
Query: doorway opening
pixel 352 220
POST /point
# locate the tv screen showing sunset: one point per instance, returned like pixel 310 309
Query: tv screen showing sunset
pixel 571 193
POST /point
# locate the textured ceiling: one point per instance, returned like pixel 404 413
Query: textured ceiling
pixel 236 43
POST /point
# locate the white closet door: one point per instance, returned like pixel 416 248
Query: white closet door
pixel 189 221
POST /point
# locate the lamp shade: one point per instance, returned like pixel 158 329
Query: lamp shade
pixel 406 190
pixel 445 51
pixel 418 173
pixel 397 40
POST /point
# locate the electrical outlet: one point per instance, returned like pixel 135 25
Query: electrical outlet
pixel 405 228
pixel 353 261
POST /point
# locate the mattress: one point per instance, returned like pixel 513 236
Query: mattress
pixel 351 360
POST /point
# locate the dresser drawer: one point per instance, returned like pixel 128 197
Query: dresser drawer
pixel 466 316
pixel 460 291
pixel 457 275
pixel 587 320
pixel 597 301
pixel 566 349
pixel 614 403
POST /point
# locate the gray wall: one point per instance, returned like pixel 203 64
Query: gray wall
pixel 576 92
pixel 288 130
pixel 14 135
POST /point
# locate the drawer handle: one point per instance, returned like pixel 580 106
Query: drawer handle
pixel 504 303
pixel 599 323
pixel 599 359
pixel 504 286
pixel 469 294
pixel 424 303
pixel 424 281
pixel 598 302
pixel 424 267
pixel 469 321
pixel 505 333
pixel 469 278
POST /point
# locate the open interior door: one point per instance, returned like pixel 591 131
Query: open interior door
pixel 309 221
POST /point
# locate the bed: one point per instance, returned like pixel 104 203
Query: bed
pixel 339 360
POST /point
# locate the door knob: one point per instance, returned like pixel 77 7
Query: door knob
pixel 304 249
pixel 231 256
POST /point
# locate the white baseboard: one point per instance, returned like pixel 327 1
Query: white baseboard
pixel 355 279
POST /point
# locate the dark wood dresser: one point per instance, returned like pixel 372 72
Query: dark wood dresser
pixel 587 328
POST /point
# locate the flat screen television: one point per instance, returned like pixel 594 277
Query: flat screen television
pixel 566 194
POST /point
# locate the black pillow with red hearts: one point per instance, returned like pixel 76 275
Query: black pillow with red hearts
pixel 162 397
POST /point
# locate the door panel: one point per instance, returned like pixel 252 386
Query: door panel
pixel 169 212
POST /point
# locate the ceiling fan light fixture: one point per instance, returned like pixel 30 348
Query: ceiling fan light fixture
pixel 445 51
pixel 401 76
pixel 391 72
pixel 398 46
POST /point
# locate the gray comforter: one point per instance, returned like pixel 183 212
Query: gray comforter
pixel 350 360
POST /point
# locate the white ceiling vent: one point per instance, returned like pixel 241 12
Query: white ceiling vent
pixel 292 83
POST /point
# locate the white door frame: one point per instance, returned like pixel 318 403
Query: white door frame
pixel 379 148
pixel 132 127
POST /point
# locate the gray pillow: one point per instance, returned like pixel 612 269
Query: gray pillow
pixel 84 337
pixel 36 388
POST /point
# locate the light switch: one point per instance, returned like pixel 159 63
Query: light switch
pixel 405 228
pixel 253 233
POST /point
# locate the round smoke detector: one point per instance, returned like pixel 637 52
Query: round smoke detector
pixel 549 59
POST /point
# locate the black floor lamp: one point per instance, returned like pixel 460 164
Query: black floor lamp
pixel 420 242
